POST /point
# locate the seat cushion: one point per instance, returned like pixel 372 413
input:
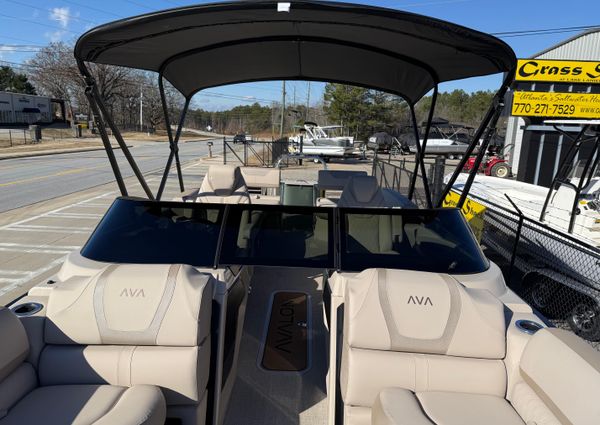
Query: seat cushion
pixel 90 404
pixel 397 406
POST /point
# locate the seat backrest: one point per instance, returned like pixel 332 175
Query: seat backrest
pixel 263 178
pixel 362 192
pixel 336 179
pixel 17 377
pixel 560 380
pixel 420 331
pixel 223 184
pixel 133 324
pixel 370 233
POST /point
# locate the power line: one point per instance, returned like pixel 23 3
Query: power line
pixel 91 8
pixel 37 23
pixel 546 31
pixel 76 18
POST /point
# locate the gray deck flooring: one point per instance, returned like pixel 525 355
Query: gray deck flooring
pixel 282 398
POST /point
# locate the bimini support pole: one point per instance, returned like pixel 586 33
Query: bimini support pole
pixel 93 89
pixel 89 94
pixel 489 120
pixel 577 141
pixel 173 141
pixel 420 158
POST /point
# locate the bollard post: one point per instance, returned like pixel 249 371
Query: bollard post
pixel 210 144
pixel 10 137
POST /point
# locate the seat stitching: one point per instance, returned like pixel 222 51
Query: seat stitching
pixel 131 362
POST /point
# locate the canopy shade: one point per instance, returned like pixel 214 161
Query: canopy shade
pixel 209 45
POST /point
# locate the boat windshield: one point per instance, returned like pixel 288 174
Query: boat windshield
pixel 207 235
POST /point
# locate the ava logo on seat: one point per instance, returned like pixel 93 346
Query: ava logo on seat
pixel 416 300
pixel 132 293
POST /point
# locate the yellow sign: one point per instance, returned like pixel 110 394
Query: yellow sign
pixel 473 211
pixel 564 105
pixel 554 71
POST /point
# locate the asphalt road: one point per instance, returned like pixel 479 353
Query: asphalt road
pixel 24 181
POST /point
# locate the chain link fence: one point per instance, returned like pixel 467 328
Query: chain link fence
pixel 558 275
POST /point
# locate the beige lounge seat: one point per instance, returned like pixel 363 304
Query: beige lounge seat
pixel 23 401
pixel 131 325
pixel 223 184
pixel 441 357
pixel 559 382
pixel 422 333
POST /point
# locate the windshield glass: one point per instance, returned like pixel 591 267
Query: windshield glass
pixel 273 236
pixel 146 232
pixel 427 240
pixel 204 235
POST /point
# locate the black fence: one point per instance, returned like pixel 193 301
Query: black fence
pixel 396 174
pixel 556 273
pixel 253 153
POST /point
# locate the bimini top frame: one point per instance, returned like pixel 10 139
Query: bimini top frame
pixel 209 45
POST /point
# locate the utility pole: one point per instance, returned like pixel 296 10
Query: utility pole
pixel 142 109
pixel 282 109
pixel 294 102
pixel 307 101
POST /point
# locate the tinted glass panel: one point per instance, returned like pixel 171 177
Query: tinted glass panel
pixel 145 232
pixel 278 236
pixel 428 240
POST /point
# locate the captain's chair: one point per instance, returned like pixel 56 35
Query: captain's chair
pixel 223 184
pixel 362 192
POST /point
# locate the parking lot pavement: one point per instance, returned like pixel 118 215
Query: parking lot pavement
pixel 32 248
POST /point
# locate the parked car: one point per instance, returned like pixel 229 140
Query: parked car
pixel 239 138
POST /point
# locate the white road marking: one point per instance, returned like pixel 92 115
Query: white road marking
pixel 75 215
pixel 34 251
pixel 27 220
pixel 27 246
pixel 38 226
pixel 31 275
pixel 22 229
pixel 12 272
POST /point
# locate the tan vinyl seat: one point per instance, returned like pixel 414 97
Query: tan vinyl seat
pixel 559 380
pixel 22 401
pixel 264 180
pixel 362 192
pixel 223 184
pixel 133 325
pixel 427 339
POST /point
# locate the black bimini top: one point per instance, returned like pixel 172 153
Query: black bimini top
pixel 209 45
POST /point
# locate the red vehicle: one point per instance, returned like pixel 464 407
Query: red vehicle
pixel 494 164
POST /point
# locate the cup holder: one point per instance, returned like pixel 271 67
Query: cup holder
pixel 27 309
pixel 528 326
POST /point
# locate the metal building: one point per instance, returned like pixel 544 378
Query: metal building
pixel 539 148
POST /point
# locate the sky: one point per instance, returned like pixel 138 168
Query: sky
pixel 26 25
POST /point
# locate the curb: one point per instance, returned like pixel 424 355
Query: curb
pixel 53 152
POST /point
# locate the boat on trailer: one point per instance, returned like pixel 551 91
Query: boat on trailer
pixel 314 140
pixel 225 310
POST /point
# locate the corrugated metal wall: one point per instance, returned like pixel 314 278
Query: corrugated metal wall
pixel 584 47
